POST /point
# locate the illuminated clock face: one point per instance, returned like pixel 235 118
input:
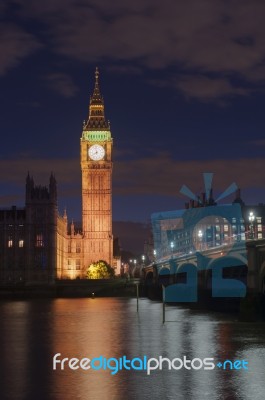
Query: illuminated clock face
pixel 96 152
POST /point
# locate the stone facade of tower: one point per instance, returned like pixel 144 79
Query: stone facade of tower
pixel 96 167
pixel 77 249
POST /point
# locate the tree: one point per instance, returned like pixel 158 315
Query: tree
pixel 100 270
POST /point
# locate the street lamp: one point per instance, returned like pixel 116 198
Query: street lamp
pixel 172 247
pixel 251 218
pixel 134 268
pixel 200 234
pixel 141 268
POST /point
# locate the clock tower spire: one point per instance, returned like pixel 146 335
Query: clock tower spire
pixel 96 117
pixel 96 168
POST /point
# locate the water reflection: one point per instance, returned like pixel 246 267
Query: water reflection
pixel 96 330
pixel 14 347
pixel 32 332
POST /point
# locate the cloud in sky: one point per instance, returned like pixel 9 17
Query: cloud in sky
pixel 15 45
pixel 259 143
pixel 14 171
pixel 204 88
pixel 159 175
pixel 62 84
pixel 165 176
pixel 125 69
pixel 208 42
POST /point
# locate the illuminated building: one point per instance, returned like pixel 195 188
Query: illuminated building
pixel 36 243
pixel 77 250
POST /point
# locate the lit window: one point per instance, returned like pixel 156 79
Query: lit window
pixel 243 236
pixel 242 228
pixel 225 228
pixel 259 227
pixel 39 240
pixel 259 235
pixel 21 243
pixel 10 243
pixel 258 220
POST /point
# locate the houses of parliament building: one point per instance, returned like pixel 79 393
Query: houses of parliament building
pixel 37 245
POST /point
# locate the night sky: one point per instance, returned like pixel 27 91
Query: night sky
pixel 184 89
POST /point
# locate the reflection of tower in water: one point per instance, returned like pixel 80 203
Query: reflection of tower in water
pixel 90 321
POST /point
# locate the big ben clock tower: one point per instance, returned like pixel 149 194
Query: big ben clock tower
pixel 96 167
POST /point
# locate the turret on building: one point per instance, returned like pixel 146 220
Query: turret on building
pixel 28 237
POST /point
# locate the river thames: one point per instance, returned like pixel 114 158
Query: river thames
pixel 33 331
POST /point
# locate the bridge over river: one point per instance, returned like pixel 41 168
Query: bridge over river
pixel 243 265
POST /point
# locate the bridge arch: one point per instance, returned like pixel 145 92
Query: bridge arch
pixel 228 261
pixel 164 270
pixel 187 273
pixel 149 278
pixel 184 265
pixel 164 275
pixel 185 262
pixel 233 267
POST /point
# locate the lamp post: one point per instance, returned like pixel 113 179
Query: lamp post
pixel 133 267
pixel 200 234
pixel 130 267
pixel 154 256
pixel 172 247
pixel 251 218
pixel 143 263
